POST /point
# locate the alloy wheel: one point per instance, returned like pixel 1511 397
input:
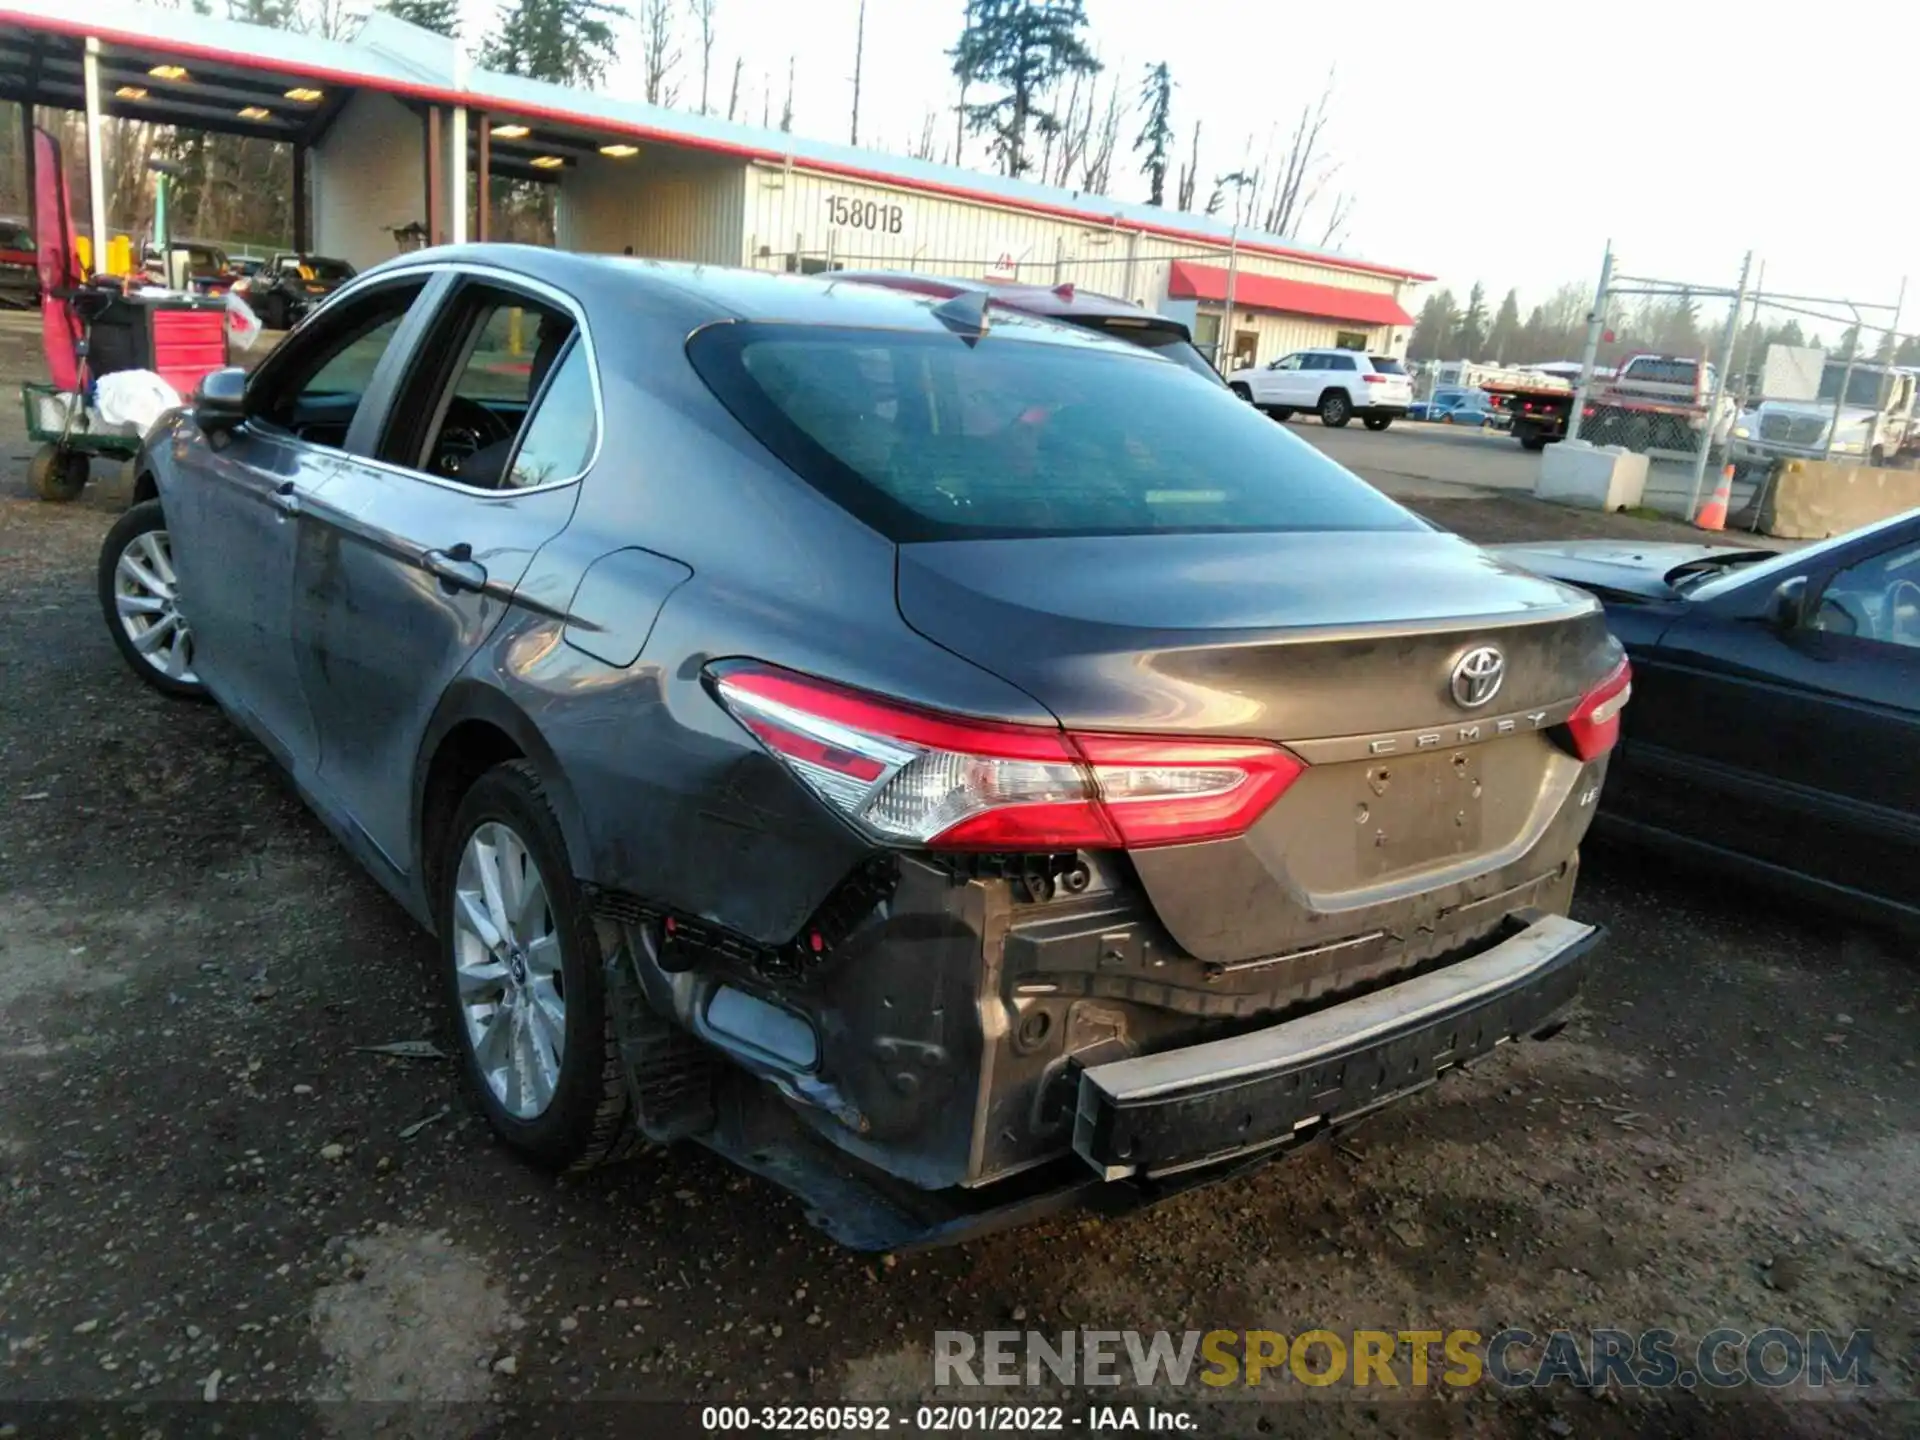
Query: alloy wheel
pixel 506 955
pixel 146 597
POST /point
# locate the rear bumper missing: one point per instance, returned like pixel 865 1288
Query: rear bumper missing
pixel 1156 1115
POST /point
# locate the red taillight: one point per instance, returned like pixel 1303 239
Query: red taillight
pixel 910 777
pixel 1594 726
pixel 1373 379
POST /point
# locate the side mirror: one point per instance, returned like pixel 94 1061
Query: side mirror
pixel 221 402
pixel 1786 608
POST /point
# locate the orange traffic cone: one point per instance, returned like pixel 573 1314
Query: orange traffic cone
pixel 1712 514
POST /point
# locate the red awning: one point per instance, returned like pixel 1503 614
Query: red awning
pixel 1296 297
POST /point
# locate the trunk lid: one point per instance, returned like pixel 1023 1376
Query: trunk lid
pixel 1340 645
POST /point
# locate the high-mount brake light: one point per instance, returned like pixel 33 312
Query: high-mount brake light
pixel 915 778
pixel 1594 726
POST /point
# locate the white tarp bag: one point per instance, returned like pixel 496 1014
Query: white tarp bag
pixel 133 397
pixel 243 326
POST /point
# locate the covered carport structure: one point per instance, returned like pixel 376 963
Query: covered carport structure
pixel 394 132
pixel 388 130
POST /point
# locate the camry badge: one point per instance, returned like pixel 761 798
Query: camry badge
pixel 1477 676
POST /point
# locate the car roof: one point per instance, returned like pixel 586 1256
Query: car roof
pixel 726 293
pixel 1065 300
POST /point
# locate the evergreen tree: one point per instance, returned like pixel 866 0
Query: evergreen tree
pixel 1026 47
pixel 569 42
pixel 1433 331
pixel 1470 338
pixel 1505 335
pixel 440 16
pixel 1156 133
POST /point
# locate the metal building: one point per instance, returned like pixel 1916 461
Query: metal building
pixel 393 129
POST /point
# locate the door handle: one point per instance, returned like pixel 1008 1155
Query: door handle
pixel 286 499
pixel 456 568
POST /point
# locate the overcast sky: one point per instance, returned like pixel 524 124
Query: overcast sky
pixel 1504 144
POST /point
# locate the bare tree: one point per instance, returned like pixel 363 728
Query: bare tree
pixel 703 12
pixel 329 19
pixel 1189 174
pixel 786 110
pixel 923 148
pixel 859 54
pixel 1066 142
pixel 658 53
pixel 1304 173
pixel 733 95
pixel 1097 166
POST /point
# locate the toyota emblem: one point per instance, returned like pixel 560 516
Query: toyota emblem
pixel 1477 676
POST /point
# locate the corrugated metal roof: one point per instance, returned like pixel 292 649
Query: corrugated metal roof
pixel 389 54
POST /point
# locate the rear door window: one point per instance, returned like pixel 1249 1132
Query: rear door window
pixel 1339 362
pixel 927 436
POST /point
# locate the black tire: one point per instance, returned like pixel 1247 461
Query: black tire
pixel 58 475
pixel 142 521
pixel 1533 440
pixel 1282 413
pixel 586 1121
pixel 1378 422
pixel 274 316
pixel 1335 409
pixel 1877 457
pixel 1242 391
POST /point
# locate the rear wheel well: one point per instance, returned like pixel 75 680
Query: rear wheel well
pixel 465 753
pixel 145 487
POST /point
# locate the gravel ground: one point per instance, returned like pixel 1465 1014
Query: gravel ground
pixel 210 1189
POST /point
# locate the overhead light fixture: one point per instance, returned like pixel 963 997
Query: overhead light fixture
pixel 168 72
pixel 619 152
pixel 131 92
pixel 509 132
pixel 546 162
pixel 255 112
pixel 305 96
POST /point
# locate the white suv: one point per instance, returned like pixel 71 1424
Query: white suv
pixel 1335 384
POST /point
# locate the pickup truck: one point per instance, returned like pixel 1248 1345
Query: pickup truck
pixel 1653 403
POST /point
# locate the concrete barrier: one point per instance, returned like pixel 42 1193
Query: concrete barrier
pixel 1593 477
pixel 1812 499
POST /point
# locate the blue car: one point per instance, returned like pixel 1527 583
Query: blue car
pixel 1456 407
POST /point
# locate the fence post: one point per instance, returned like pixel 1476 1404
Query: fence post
pixel 1718 397
pixel 1223 348
pixel 1882 390
pixel 1596 322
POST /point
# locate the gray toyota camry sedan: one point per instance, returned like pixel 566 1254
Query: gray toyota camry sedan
pixel 950 762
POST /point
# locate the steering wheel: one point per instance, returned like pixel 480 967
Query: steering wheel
pixel 1903 612
pixel 468 427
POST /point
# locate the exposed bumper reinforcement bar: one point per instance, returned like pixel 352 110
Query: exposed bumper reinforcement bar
pixel 1206 1104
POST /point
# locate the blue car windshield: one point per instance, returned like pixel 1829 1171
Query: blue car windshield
pixel 937 436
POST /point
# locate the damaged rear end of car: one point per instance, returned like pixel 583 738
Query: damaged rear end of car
pixel 1283 826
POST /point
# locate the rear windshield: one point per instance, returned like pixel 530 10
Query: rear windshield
pixel 939 437
pixel 1662 372
pixel 1387 365
pixel 1168 341
pixel 323 269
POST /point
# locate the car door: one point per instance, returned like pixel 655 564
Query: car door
pixel 1302 384
pixel 236 509
pixel 1795 744
pixel 1270 385
pixel 436 516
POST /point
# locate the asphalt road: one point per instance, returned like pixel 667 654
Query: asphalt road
pixel 211 1189
pixel 1413 459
